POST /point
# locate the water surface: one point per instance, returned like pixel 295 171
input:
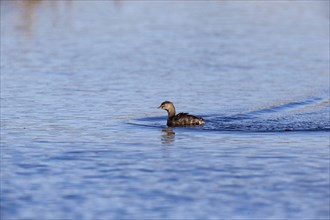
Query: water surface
pixel 82 138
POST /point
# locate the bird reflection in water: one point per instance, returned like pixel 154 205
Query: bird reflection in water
pixel 167 139
pixel 168 136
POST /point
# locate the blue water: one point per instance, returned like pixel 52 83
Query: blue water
pixel 82 138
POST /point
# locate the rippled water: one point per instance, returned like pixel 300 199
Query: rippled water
pixel 82 138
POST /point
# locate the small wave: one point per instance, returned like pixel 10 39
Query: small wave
pixel 312 114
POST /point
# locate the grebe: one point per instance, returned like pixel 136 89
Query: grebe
pixel 181 119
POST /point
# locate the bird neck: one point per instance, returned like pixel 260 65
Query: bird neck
pixel 171 112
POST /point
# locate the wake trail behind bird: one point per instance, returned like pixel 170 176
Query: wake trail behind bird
pixel 311 114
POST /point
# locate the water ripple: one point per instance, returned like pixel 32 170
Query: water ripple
pixel 311 114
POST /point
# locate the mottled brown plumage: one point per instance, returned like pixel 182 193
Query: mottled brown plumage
pixel 181 119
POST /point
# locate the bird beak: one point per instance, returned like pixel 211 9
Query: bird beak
pixel 160 106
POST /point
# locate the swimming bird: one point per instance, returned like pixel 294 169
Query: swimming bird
pixel 181 119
